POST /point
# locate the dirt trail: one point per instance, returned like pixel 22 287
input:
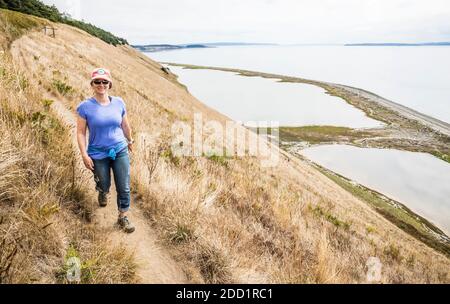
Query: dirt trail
pixel 154 264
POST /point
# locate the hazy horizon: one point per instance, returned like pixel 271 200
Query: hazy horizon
pixel 290 44
pixel 266 21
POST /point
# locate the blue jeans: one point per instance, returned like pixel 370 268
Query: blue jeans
pixel 121 169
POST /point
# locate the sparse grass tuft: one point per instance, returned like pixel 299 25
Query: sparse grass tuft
pixel 47 103
pixel 94 265
pixel 370 229
pixel 393 252
pixel 319 211
pixel 222 160
pixel 63 88
pixel 218 159
pixel 212 265
pixel 167 154
pixel 180 233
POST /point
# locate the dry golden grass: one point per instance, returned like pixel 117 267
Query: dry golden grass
pixel 44 212
pixel 15 24
pixel 237 222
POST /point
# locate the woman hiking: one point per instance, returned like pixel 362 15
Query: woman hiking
pixel 109 142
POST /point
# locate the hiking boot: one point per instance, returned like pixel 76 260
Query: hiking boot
pixel 125 224
pixel 102 199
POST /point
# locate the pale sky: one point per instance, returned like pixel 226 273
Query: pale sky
pixel 275 21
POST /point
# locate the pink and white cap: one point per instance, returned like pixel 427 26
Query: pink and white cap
pixel 101 73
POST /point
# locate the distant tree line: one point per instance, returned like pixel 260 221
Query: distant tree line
pixel 37 8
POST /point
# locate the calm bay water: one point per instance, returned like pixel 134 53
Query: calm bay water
pixel 259 99
pixel 417 77
pixel 418 180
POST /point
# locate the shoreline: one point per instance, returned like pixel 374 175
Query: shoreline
pixel 393 211
pixel 409 113
pixel 410 221
pixel 405 129
pixel 434 123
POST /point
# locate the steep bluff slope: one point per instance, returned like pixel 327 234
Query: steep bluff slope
pixel 225 219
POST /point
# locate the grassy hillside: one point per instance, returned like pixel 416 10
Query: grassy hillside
pixel 13 25
pixel 39 9
pixel 44 215
pixel 221 219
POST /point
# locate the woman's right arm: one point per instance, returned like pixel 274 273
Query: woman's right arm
pixel 81 138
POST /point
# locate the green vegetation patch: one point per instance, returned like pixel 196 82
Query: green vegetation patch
pixel 443 156
pixel 180 233
pixel 221 160
pixel 217 158
pixel 321 134
pixel 319 211
pixel 39 9
pixel 399 215
pixel 13 25
pixel 63 88
pixel 168 154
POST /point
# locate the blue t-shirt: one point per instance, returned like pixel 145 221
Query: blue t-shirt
pixel 104 124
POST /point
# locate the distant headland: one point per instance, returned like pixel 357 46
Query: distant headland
pixel 166 47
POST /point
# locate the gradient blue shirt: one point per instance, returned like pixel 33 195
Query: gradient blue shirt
pixel 104 124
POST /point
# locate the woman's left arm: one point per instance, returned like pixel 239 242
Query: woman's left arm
pixel 127 132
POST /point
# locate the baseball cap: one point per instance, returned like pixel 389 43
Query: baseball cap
pixel 101 73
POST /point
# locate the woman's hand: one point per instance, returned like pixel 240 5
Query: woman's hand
pixel 88 162
pixel 127 132
pixel 81 139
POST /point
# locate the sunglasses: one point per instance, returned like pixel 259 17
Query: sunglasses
pixel 98 82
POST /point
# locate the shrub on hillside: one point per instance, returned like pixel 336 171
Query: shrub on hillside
pixel 37 8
